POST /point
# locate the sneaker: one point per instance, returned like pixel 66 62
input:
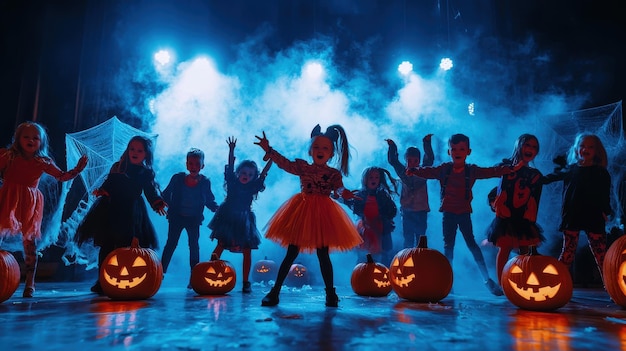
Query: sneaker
pixel 28 292
pixel 493 287
pixel 246 288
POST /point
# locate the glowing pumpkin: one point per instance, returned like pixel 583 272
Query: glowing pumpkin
pixel 131 273
pixel 9 275
pixel 421 274
pixel 370 279
pixel 298 276
pixel 214 277
pixel 614 271
pixel 536 282
pixel 264 270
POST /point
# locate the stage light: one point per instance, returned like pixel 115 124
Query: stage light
pixel 313 70
pixel 405 67
pixel 446 64
pixel 162 57
pixel 470 109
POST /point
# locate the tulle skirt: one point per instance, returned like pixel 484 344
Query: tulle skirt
pixel 235 229
pixel 514 232
pixel 21 211
pixel 311 222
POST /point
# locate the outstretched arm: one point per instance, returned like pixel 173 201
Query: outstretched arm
pixel 429 155
pixel 71 174
pixel 266 169
pixel 232 142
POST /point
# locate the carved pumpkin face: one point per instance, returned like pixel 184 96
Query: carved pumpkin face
pixel 9 275
pixel 614 271
pixel 131 273
pixel 421 274
pixel 264 270
pixel 214 277
pixel 536 282
pixel 370 279
pixel 298 276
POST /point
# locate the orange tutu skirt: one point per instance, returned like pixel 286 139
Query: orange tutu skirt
pixel 313 221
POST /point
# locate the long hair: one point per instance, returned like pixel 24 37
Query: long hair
pixel 122 164
pixel 600 158
pixel 384 175
pixel 516 156
pixel 44 146
pixel 341 148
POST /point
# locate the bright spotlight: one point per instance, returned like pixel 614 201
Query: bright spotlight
pixel 470 109
pixel 446 64
pixel 405 67
pixel 162 57
pixel 313 70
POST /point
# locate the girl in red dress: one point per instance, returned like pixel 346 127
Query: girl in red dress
pixel 21 202
pixel 310 220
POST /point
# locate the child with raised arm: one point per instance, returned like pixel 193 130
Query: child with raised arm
pixel 414 206
pixel 120 213
pixel 516 205
pixel 234 224
pixel 21 202
pixel 586 198
pixel 186 195
pixel 311 220
pixel 457 179
pixel 376 210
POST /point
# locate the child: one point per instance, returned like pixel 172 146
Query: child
pixel 586 197
pixel 516 205
pixel 457 179
pixel 21 202
pixel 376 210
pixel 187 195
pixel 311 220
pixel 414 195
pixel 234 224
pixel 119 213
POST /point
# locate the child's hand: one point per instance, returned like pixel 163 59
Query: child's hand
pixel 159 206
pixel 427 138
pixel 519 165
pixel 232 142
pixel 100 192
pixel 350 195
pixel 264 144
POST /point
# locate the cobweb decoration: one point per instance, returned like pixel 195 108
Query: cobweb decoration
pixel 557 137
pixel 103 144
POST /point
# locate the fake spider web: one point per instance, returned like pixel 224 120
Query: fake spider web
pixel 103 144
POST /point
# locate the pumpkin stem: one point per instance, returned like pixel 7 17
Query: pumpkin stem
pixel 423 243
pixel 135 242
pixel 214 257
pixel 369 258
pixel 532 251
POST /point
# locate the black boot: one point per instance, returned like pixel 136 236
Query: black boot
pixel 331 298
pixel 271 299
pixel 29 284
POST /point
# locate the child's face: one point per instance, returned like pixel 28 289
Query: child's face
pixel 194 165
pixel 529 150
pixel 587 150
pixel 136 152
pixel 372 180
pixel 412 161
pixel 321 150
pixel 30 140
pixel 459 153
pixel 246 174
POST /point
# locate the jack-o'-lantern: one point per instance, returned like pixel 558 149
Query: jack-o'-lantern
pixel 298 276
pixel 264 270
pixel 9 275
pixel 536 282
pixel 214 277
pixel 421 274
pixel 370 279
pixel 614 271
pixel 131 273
pixel 532 330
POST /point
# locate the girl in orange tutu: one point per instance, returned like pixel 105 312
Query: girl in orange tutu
pixel 21 202
pixel 310 220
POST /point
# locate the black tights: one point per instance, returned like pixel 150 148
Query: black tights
pixel 326 266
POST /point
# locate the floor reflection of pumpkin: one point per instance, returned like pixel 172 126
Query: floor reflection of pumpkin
pixel 532 330
pixel 117 320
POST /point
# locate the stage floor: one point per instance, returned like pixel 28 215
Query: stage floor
pixel 66 316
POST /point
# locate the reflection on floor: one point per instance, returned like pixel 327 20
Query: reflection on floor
pixel 65 315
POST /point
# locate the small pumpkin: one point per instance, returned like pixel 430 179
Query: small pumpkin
pixel 298 276
pixel 536 282
pixel 9 275
pixel 614 271
pixel 370 278
pixel 421 274
pixel 214 277
pixel 131 273
pixel 264 270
